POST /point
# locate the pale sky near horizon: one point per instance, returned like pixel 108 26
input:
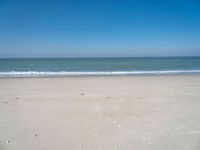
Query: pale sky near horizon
pixel 99 28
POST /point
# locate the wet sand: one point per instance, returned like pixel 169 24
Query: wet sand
pixel 100 113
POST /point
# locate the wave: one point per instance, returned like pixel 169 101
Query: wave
pixel 93 73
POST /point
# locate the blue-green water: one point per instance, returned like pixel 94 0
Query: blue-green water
pixel 99 66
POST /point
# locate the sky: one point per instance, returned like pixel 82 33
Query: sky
pixel 99 28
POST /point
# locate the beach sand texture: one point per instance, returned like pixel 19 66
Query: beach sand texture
pixel 100 113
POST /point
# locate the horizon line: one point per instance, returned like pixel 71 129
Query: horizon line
pixel 95 57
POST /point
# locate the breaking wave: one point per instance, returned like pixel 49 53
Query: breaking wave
pixel 93 73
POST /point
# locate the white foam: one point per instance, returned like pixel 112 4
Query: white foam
pixel 67 73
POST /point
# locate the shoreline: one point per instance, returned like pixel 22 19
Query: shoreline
pixel 103 76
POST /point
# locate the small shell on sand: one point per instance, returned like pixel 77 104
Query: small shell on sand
pixel 7 141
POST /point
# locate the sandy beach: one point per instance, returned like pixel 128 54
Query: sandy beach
pixel 100 113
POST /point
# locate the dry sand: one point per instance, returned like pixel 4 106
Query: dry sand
pixel 100 113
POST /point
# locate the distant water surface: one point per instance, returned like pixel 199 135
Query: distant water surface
pixel 99 66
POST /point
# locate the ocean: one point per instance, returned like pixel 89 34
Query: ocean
pixel 98 66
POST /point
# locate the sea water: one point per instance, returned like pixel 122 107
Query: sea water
pixel 98 66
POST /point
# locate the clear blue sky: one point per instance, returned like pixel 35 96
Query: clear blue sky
pixel 94 28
